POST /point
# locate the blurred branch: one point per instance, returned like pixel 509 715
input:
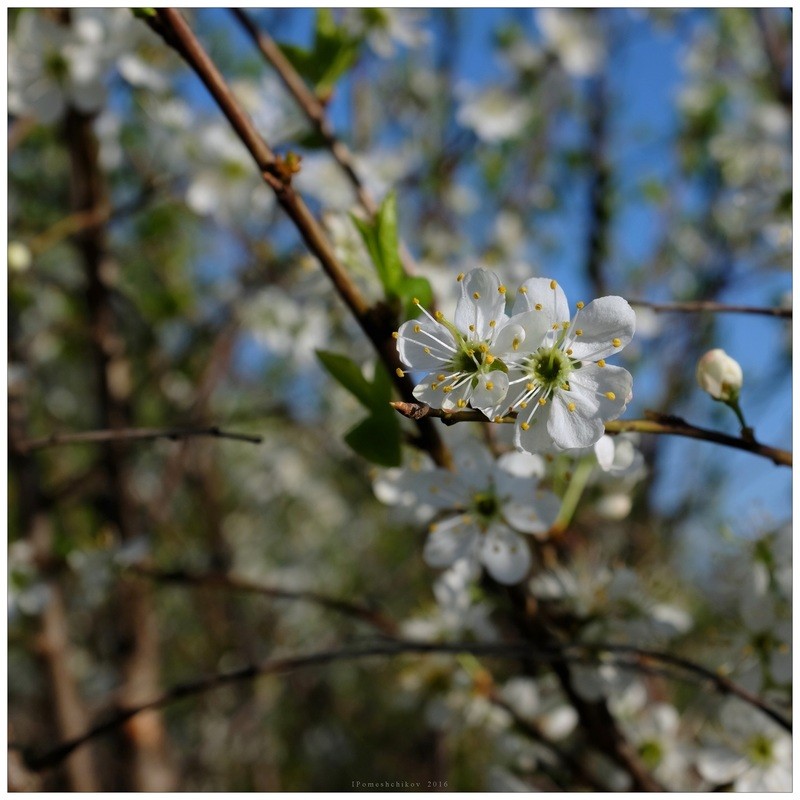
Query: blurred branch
pixel 695 306
pixel 655 422
pixel 375 322
pixel 777 55
pixel 599 188
pixel 132 434
pixel 218 580
pixel 389 648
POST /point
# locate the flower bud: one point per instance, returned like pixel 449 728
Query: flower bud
pixel 719 375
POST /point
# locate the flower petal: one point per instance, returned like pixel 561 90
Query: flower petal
pixel 537 438
pixel 611 386
pixel 482 302
pixel 450 540
pixel 579 427
pixel 505 555
pixel 519 465
pixel 425 345
pixel 508 340
pixel 490 391
pixel 537 296
pixel 602 322
pixel 604 452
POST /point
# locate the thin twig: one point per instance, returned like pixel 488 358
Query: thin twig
pixel 375 322
pixel 221 580
pixel 132 434
pixel 655 423
pixel 388 648
pixel 695 306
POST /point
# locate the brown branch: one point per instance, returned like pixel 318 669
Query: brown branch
pixel 219 580
pixel 711 306
pixel 777 56
pixel 389 648
pixel 376 323
pixel 131 434
pixel 657 423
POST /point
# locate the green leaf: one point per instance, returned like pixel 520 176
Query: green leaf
pixel 414 286
pixel 348 374
pixel 381 241
pixel 377 438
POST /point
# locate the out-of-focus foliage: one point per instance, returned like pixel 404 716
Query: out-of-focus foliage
pixel 153 282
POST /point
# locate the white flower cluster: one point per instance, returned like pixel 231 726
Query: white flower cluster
pixel 537 362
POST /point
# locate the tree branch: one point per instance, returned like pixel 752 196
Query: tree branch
pixel 696 306
pixel 220 580
pixel 654 423
pixel 131 434
pixel 375 322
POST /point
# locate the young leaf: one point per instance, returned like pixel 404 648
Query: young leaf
pixel 414 286
pixel 348 374
pixel 377 438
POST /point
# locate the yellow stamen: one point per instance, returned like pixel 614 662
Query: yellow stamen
pixel 440 377
pixel 489 386
pixel 395 335
pixel 601 363
pixel 542 401
pixel 472 328
pixel 460 277
pixel 524 426
pixel 553 284
pixel 476 295
pixel 497 419
pixel 565 325
pixel 611 396
pixel 484 348
pixel 571 407
pixel 447 389
pixel 530 387
pixel 523 404
pixel 417 328
pixel 461 403
pixel 538 306
pixel 434 386
pixel 439 315
pixel 580 304
pixel 523 290
pixel 555 326
pixel 579 332
pixel 426 350
pixel 569 351
pixel 416 302
pixel 489 358
pixel 492 323
pixel 399 373
pixel 515 344
pixel 616 342
pixel 501 289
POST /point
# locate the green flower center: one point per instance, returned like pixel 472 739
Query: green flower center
pixel 651 754
pixel 549 367
pixel 485 506
pixel 759 749
pixel 56 66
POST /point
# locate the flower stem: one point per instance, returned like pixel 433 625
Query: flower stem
pixel 573 494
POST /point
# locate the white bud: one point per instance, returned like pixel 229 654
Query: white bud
pixel 719 375
pixel 19 257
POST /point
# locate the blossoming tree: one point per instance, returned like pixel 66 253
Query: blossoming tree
pixel 317 481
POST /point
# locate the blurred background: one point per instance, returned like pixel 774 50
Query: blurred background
pixel 154 283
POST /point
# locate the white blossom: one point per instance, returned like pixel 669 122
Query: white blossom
pixel 559 383
pixel 465 360
pixel 575 38
pixel 494 114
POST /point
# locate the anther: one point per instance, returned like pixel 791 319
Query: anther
pixel 524 426
pixel 416 302
pixel 515 344
pixel 501 289
pixel 579 331
pixel 565 325
pixel 417 328
pixel 484 348
pixel 395 335
pixel 489 386
pixel 530 387
pixel 447 389
pixel 439 315
pixel 523 404
pixel 472 328
pixel 542 401
pixel 569 351
pixel 460 277
pixel 538 306
pixel 489 358
pixel 426 350
pixel 616 342
pixel 440 377
pixel 579 305
pixel 571 407
pixel 497 419
pixel 553 284
pixel 476 295
pixel 601 363
pixel 492 323
pixel 523 290
pixel 611 396
pixel 399 373
pixel 434 386
pixel 461 403
pixel 555 326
